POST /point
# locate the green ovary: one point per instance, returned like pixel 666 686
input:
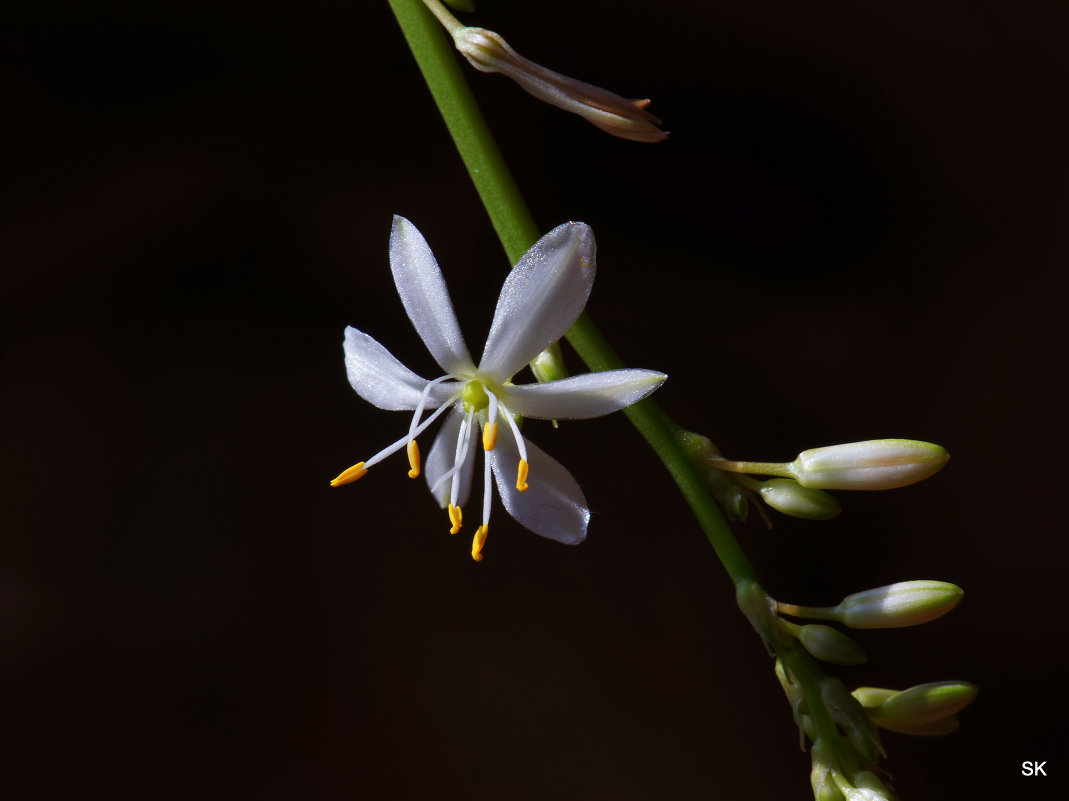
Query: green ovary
pixel 474 397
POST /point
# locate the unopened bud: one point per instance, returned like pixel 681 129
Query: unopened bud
pixel 799 708
pixel 760 609
pixel 821 777
pixel 868 787
pixel 907 603
pixel 616 115
pixel 729 494
pixel 788 496
pixel 827 644
pixel 872 465
pixel 926 709
pixel 549 365
pixel 871 697
pixel 851 718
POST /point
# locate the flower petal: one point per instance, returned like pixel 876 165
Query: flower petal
pixel 582 396
pixel 377 376
pixel 553 505
pixel 425 296
pixel 440 460
pixel 541 298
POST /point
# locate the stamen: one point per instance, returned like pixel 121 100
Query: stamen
pixel 423 402
pixel 478 542
pixel 349 475
pixel 490 429
pixel 455 517
pixel 391 449
pixel 413 459
pixel 461 454
pixel 489 436
pixel 487 491
pixel 522 468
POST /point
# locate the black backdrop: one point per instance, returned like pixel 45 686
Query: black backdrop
pixel 855 230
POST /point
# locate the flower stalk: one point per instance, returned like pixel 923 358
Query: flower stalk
pixel 517 231
pixel 820 707
pixel 906 603
pixel 877 464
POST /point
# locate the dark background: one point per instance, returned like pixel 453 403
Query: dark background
pixel 856 230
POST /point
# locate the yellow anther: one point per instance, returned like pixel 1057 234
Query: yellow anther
pixel 521 476
pixel 489 436
pixel 413 459
pixel 350 475
pixel 478 541
pixel 455 518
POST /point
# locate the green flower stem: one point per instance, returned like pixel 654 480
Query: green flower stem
pixel 433 51
pixel 782 469
pixel 517 231
pixel 810 612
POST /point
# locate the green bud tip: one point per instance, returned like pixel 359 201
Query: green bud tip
pixel 926 709
pixel 791 498
pixel 829 645
pixel 851 718
pixel 549 365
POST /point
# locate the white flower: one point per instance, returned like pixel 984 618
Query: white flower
pixel 541 298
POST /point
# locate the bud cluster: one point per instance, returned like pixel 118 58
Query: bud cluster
pixel 843 725
pixel 799 488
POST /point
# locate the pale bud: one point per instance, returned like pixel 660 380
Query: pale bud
pixel 788 496
pixel 871 697
pixel 828 644
pixel 872 465
pixel 760 609
pixel 874 791
pixel 616 115
pixel 927 709
pixel 822 776
pixel 549 364
pixel 851 718
pixel 729 494
pixel 937 728
pixel 799 708
pixel 867 780
pixel 907 603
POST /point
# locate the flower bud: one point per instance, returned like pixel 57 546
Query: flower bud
pixel 788 496
pixel 907 603
pixel 821 777
pixel 920 709
pixel 549 365
pixel 851 718
pixel 871 697
pixel 872 465
pixel 936 728
pixel 616 115
pixel 729 494
pixel 799 708
pixel 868 787
pixel 928 702
pixel 828 644
pixel 760 609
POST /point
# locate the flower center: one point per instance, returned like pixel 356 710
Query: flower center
pixel 474 397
